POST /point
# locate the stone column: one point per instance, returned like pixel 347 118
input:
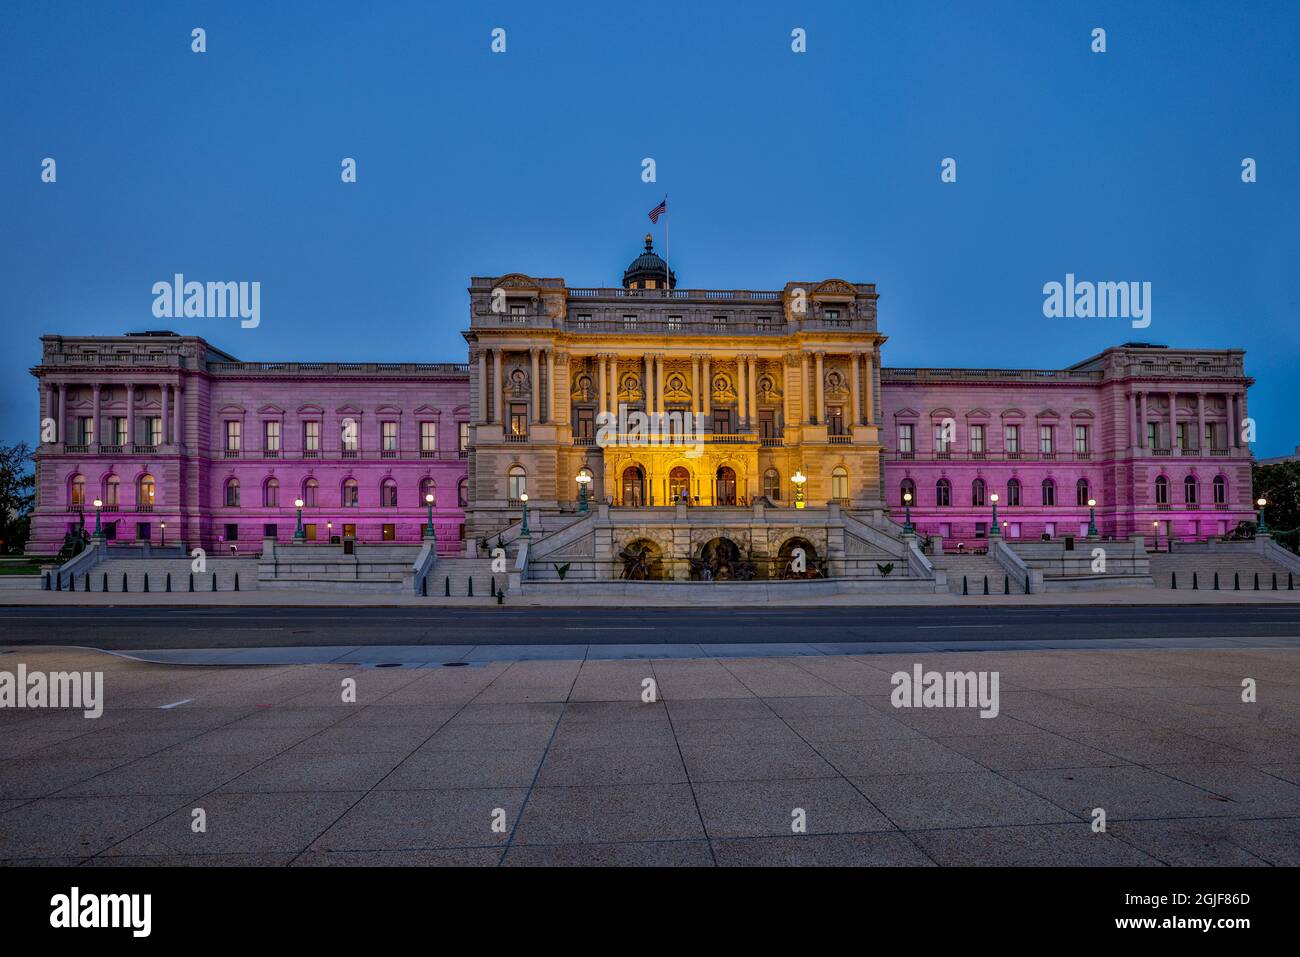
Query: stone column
pixel 482 385
pixel 871 388
pixel 1133 421
pixel 613 384
pixel 62 422
pixel 535 411
pixel 806 395
pixel 601 405
pixel 742 396
pixel 1200 423
pixel 1234 421
pixel 706 395
pixel 178 410
pixel 496 387
pixel 855 395
pixel 165 424
pixel 550 385
pixel 1142 420
pixel 752 403
pixel 99 439
pixel 659 384
pixel 821 389
pixel 787 364
pixel 1173 420
pixel 695 384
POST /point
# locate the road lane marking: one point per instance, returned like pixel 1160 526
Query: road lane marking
pixel 174 704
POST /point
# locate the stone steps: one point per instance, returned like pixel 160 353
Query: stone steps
pixel 974 567
pixel 223 569
pixel 460 571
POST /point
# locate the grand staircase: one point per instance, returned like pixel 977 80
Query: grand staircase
pixel 1231 565
pixel 135 570
pixel 974 568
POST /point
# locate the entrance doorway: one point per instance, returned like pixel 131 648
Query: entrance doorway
pixel 725 490
pixel 633 486
pixel 679 485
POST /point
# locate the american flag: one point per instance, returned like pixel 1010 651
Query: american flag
pixel 659 211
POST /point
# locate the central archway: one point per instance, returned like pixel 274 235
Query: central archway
pixel 634 485
pixel 720 560
pixel 679 484
pixel 725 486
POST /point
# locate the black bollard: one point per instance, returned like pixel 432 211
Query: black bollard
pixel 1026 583
pixel 46 582
pixel 986 584
pixel 105 581
pixel 58 581
pixel 124 582
pixel 1195 584
pixel 1236 581
pixel 424 587
pixel 964 590
pixel 492 587
pixel 471 587
pixel 236 581
pixel 500 597
pixel 214 581
pixel 1256 581
pixel 1173 581
pixel 88 581
pixel 169 581
pixel 1275 581
pixel 1006 585
pixel 191 581
pixel 446 587
pixel 1216 581
pixel 146 581
pixel 1290 582
pixel 72 583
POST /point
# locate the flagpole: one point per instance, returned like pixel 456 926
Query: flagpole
pixel 668 270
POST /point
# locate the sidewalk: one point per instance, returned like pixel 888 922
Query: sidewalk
pixel 318 599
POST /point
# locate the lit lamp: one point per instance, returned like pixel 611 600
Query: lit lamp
pixel 907 512
pixel 994 499
pixel 163 541
pixel 523 501
pixel 428 529
pixel 329 532
pixel 583 481
pixel 798 479
pixel 298 533
pixel 98 503
pixel 1155 534
pixel 1261 528
pixel 1092 518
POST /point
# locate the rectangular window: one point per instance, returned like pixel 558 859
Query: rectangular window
pixel 1045 440
pixel 584 322
pixel 464 436
pixel 722 421
pixel 1209 436
pixel 1153 435
pixel 390 532
pixel 150 431
pixel 766 423
pixel 349 530
pixel 1013 439
pixel 311 436
pixel 1181 434
pixel 941 442
pixel 977 438
pixel 906 439
pixel 119 430
pixel 428 436
pixel 232 532
pixel 143 531
pixel 388 435
pixel 629 322
pixel 1081 439
pixel 518 315
pixel 348 434
pixel 518 419
pixel 309 531
pixel 674 323
pixel 586 424
pixel 270 531
pixel 835 419
pixel 271 436
pixel 86 430
pixel 232 435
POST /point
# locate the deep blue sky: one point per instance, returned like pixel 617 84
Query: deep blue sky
pixel 225 165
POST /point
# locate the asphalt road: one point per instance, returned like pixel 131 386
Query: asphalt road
pixel 126 629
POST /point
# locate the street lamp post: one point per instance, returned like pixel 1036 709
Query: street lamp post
pixel 162 542
pixel 1155 535
pixel 798 478
pixel 329 533
pixel 994 499
pixel 907 514
pixel 428 528
pixel 523 502
pixel 99 504
pixel 298 533
pixel 1092 518
pixel 583 481
pixel 1260 527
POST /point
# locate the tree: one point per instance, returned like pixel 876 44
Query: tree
pixel 17 496
pixel 1280 485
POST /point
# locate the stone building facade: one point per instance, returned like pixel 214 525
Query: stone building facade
pixel 745 393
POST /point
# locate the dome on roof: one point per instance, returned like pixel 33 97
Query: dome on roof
pixel 648 270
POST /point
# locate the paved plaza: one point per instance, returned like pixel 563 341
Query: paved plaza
pixel 561 762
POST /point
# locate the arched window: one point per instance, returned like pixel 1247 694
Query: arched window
pixel 427 488
pixel 516 483
pixel 633 485
pixel 1081 493
pixel 351 493
pixel 462 493
pixel 1162 490
pixel 679 485
pixel 310 493
pixel 977 492
pixel 839 483
pixel 232 493
pixel 271 493
pixel 772 484
pixel 77 491
pixel 1013 491
pixel 112 491
pixel 1049 492
pixel 942 493
pixel 144 492
pixel 388 494
pixel 1189 490
pixel 905 488
pixel 1220 490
